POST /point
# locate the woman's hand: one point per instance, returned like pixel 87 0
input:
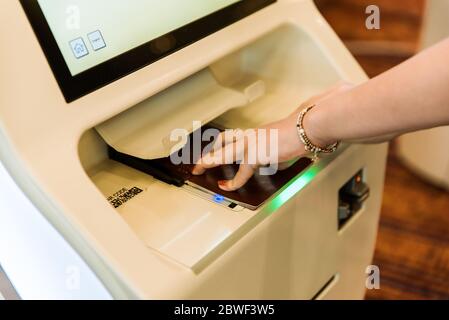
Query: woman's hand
pixel 281 149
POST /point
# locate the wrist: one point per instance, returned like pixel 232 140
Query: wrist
pixel 315 127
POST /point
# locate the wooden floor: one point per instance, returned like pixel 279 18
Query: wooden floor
pixel 413 243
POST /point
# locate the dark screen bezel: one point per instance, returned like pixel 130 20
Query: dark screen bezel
pixel 75 87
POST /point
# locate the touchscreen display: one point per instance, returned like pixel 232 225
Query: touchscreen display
pixel 92 43
pixel 91 32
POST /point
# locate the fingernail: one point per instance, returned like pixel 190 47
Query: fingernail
pixel 197 171
pixel 223 184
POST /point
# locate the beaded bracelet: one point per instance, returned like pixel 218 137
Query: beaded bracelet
pixel 309 146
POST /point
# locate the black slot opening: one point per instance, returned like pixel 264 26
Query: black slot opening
pixel 352 197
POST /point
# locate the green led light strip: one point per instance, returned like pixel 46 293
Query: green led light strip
pixel 293 188
pixel 301 182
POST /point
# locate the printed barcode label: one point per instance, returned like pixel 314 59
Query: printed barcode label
pixel 123 196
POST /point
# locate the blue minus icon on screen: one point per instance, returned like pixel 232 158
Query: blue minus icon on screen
pixel 219 198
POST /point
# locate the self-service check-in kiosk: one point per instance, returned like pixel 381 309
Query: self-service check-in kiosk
pixel 90 93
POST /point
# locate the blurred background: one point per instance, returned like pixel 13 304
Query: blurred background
pixel 413 244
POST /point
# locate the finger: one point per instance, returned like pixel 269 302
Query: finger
pixel 245 173
pixel 229 154
pixel 208 161
pixel 225 138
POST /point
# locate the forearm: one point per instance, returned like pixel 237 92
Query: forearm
pixel 410 97
pixel 413 96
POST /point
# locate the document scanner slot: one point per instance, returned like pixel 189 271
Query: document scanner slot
pixel 255 193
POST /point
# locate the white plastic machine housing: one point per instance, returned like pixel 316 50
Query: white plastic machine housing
pixel 168 242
